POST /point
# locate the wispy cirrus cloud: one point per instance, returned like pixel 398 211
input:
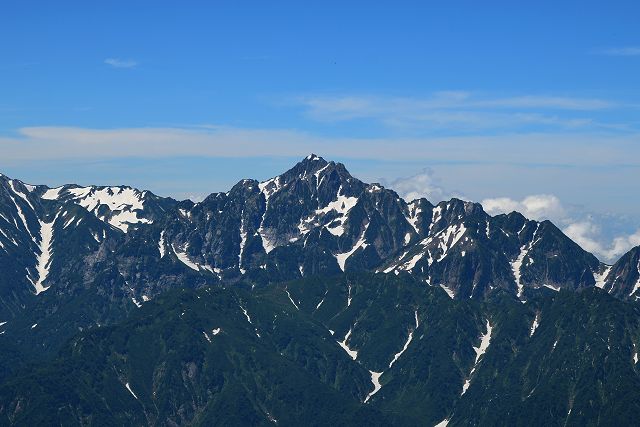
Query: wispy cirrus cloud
pixel 620 51
pixel 569 150
pixel 121 63
pixel 460 111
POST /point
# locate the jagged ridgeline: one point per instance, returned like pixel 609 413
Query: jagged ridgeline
pixel 308 299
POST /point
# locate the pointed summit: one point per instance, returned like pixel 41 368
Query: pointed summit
pixel 311 163
pixel 314 158
pixel 305 168
pixel 622 279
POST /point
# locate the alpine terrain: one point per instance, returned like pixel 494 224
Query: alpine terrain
pixel 311 298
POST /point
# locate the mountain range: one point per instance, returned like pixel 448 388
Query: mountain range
pixel 310 298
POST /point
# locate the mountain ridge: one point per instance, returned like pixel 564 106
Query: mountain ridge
pixel 310 290
pixel 359 225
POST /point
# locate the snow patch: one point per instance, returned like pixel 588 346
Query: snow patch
pixel 161 243
pixel 322 300
pixel 553 288
pixel 246 314
pixel 449 291
pixel 123 203
pixel 21 195
pixel 406 344
pixel 342 205
pixel 600 278
pixel 52 193
pixel 352 353
pixel 131 391
pixel 516 266
pixel 44 258
pixel 291 299
pixel 485 340
pixel 342 258
pixel 466 385
pixel 184 258
pixel 375 379
pixel 243 241
pixel 409 265
pixel 319 172
pixel 637 285
pixel 407 238
pixel 268 188
pixel 449 238
pixel 435 217
pixel 414 211
pixel 22 217
pixel 535 324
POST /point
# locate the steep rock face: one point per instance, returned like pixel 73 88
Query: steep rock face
pixel 317 219
pixel 50 239
pixel 471 253
pixel 394 312
pixel 126 246
pixel 314 218
pixel 623 278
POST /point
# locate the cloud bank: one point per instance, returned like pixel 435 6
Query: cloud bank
pixel 422 185
pixel 538 207
pixel 583 228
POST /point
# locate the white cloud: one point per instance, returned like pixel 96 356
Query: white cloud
pixel 121 63
pixel 621 51
pixel 585 234
pixel 622 244
pixel 538 206
pixel 458 111
pixel 584 229
pixel 424 184
pixel 588 235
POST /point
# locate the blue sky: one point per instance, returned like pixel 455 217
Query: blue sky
pixel 491 101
